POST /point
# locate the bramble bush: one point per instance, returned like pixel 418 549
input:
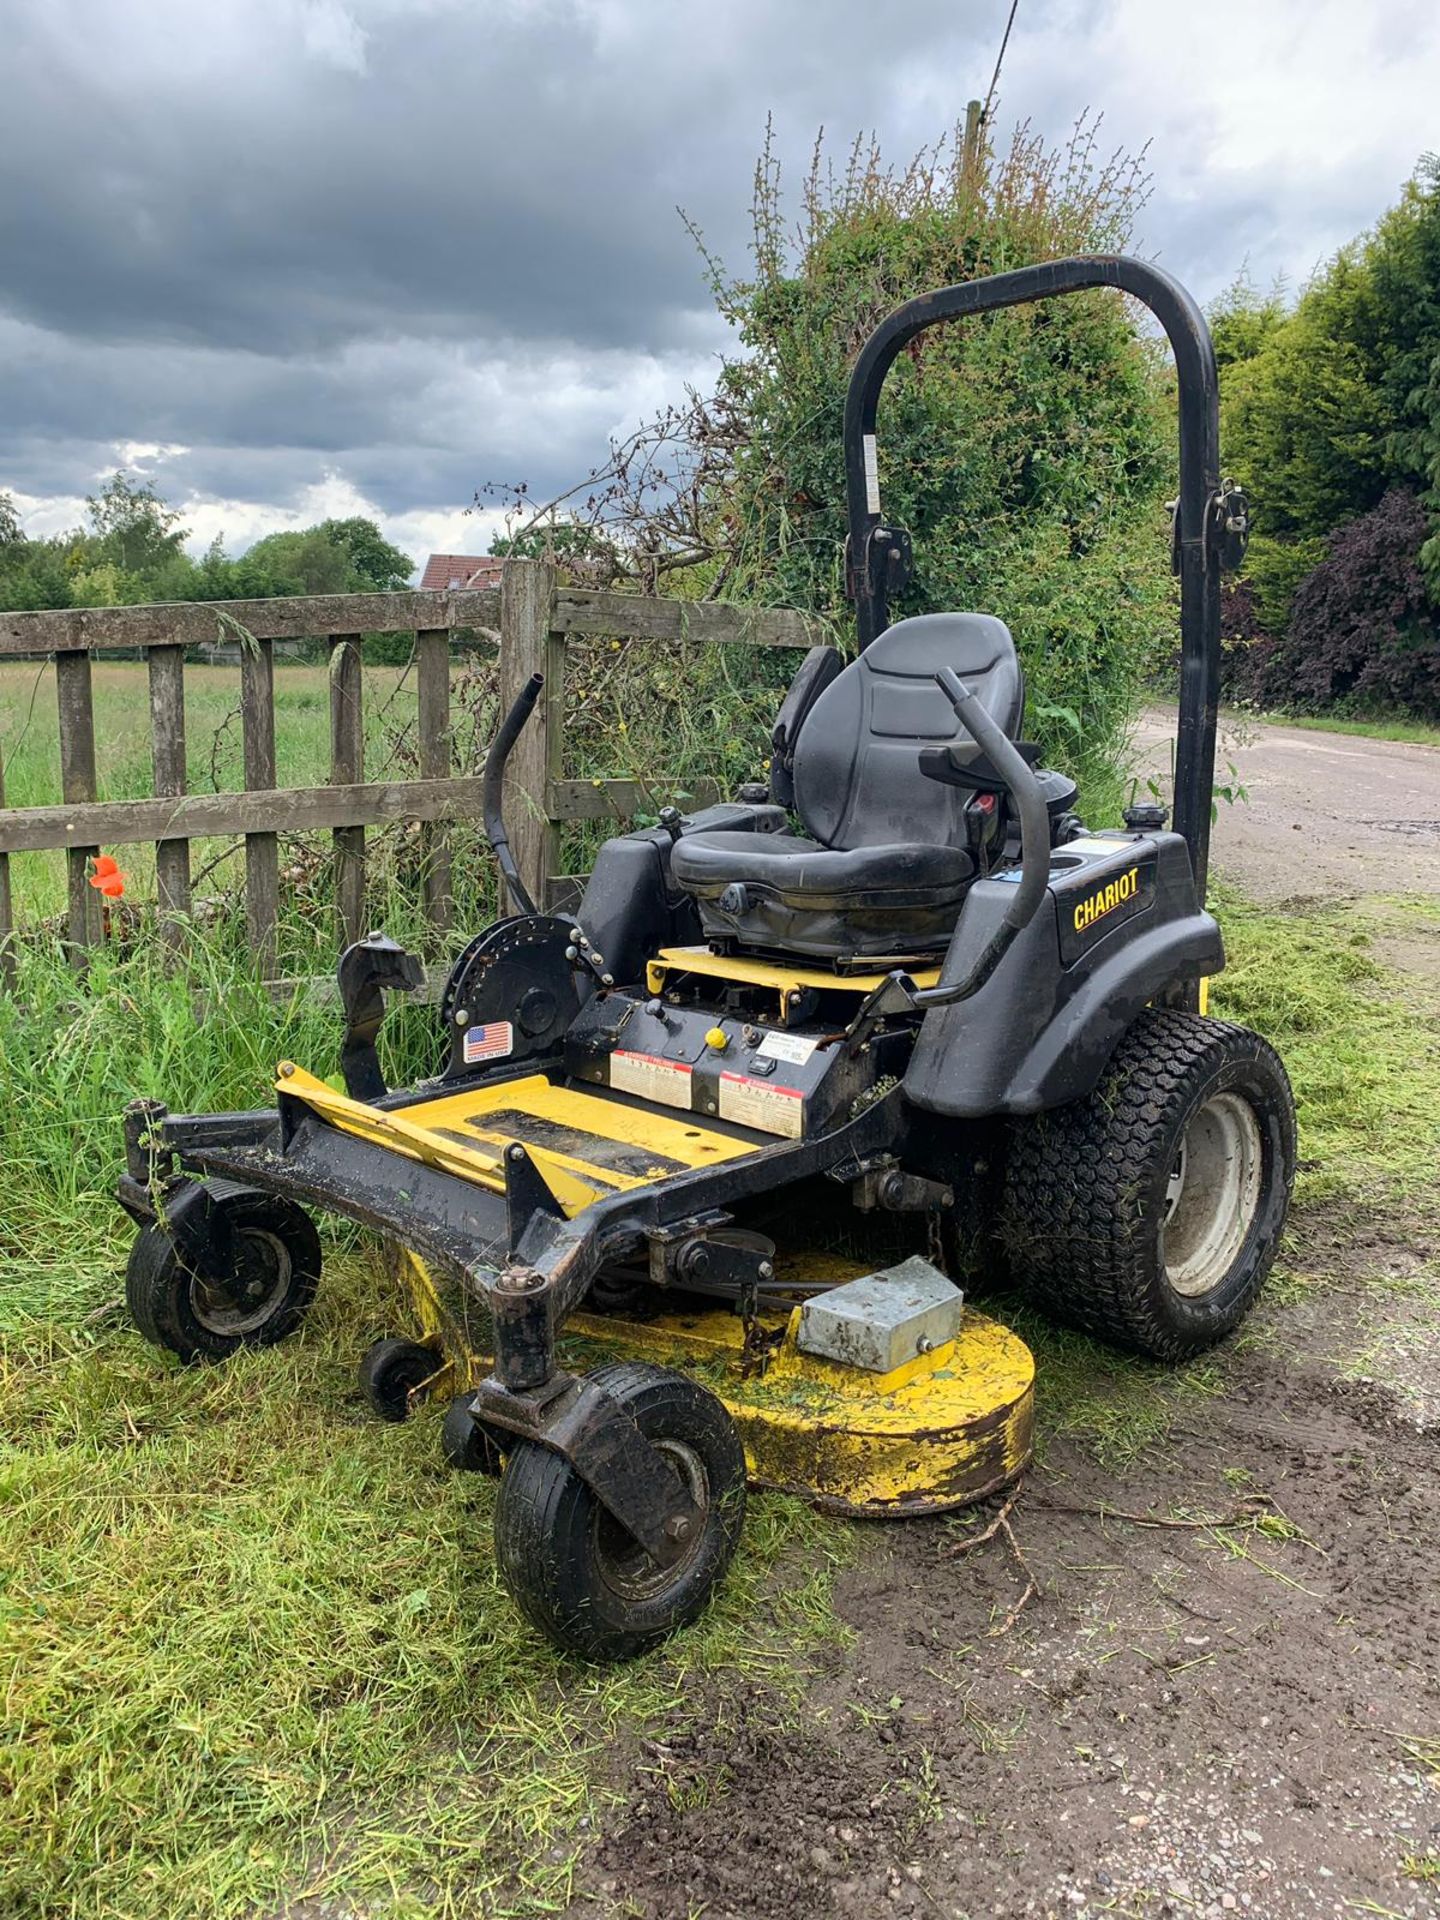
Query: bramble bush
pixel 1028 452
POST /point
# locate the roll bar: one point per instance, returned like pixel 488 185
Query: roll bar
pixel 1210 524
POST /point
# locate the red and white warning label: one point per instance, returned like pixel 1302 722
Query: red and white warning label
pixel 646 1075
pixel 760 1103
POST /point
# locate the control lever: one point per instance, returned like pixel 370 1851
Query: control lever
pixel 897 993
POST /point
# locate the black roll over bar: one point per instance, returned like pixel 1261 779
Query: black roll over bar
pixel 1210 520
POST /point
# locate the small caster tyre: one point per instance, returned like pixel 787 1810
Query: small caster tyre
pixel 261 1301
pixel 1149 1214
pixel 573 1570
pixel 465 1444
pixel 392 1372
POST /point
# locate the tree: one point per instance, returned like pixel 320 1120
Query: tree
pixel 135 529
pixel 378 565
pixel 337 556
pixel 1028 451
pixel 1328 407
pixel 10 532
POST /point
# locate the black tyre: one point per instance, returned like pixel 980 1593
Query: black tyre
pixel 574 1572
pixel 465 1444
pixel 1149 1214
pixel 262 1298
pixel 391 1374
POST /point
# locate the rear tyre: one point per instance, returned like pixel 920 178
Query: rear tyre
pixel 392 1373
pixel 1150 1213
pixel 259 1300
pixel 573 1570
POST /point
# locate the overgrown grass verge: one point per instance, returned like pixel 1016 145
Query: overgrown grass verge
pixel 1375 726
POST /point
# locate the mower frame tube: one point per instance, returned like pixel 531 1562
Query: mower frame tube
pixel 1197 555
pixel 492 790
pixel 529 1291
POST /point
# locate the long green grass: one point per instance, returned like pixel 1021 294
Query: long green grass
pixel 253 1644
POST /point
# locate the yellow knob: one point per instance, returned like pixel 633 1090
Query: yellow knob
pixel 718 1039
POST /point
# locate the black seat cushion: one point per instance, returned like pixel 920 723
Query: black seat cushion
pixel 886 868
pixel 780 890
pixel 857 760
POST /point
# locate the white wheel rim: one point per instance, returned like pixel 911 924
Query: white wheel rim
pixel 1211 1195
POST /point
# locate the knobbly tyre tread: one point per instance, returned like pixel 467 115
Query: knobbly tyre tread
pixel 544 1529
pixel 1084 1185
pixel 157 1284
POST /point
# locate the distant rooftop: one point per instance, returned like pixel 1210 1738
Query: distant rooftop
pixel 461 570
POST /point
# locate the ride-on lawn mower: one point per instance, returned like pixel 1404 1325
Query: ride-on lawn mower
pixel 941 997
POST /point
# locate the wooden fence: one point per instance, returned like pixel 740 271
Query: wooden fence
pixel 534 617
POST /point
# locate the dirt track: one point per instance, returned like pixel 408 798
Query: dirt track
pixel 1325 815
pixel 1185 1722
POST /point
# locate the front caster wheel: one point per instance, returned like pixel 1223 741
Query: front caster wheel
pixel 574 1571
pixel 465 1444
pixel 392 1372
pixel 261 1298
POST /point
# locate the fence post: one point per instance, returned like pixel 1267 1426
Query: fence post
pixel 77 783
pixel 347 768
pixel 528 645
pixel 8 967
pixel 262 858
pixel 167 751
pixel 432 652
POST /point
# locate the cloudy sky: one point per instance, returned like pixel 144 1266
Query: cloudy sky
pixel 299 257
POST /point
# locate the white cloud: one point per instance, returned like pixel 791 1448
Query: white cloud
pixel 330 33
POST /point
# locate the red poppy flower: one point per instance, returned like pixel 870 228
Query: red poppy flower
pixel 106 877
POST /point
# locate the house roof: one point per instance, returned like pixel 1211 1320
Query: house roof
pixel 461 570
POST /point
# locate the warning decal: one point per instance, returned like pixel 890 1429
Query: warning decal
pixel 646 1075
pixel 794 1047
pixel 759 1103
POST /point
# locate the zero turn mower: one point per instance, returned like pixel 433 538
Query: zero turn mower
pixel 941 997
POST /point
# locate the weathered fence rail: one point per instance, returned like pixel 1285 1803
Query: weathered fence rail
pixel 531 618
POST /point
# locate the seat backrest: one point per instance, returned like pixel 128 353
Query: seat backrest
pixel 857 759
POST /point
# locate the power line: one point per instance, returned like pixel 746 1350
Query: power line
pixel 999 59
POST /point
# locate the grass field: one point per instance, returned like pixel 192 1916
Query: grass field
pixel 253 1643
pixel 30 750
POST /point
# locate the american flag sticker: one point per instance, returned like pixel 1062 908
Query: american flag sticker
pixel 494 1041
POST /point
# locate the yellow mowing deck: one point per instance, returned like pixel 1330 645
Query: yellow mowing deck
pixel 584 1146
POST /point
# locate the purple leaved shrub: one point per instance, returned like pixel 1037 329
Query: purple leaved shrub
pixel 1362 632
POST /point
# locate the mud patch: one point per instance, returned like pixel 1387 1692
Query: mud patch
pixel 1189 1719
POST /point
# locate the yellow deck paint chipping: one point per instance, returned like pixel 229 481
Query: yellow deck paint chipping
pixel 440 1133
pixel 939 1432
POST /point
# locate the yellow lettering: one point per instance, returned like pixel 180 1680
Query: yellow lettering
pixel 1124 887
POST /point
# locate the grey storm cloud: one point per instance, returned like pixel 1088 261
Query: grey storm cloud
pixel 424 243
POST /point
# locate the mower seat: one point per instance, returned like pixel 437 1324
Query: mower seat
pixel 884 867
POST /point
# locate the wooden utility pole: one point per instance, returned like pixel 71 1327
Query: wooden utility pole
pixel 970 163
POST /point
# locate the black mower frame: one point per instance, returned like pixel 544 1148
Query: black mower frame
pixel 517 1252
